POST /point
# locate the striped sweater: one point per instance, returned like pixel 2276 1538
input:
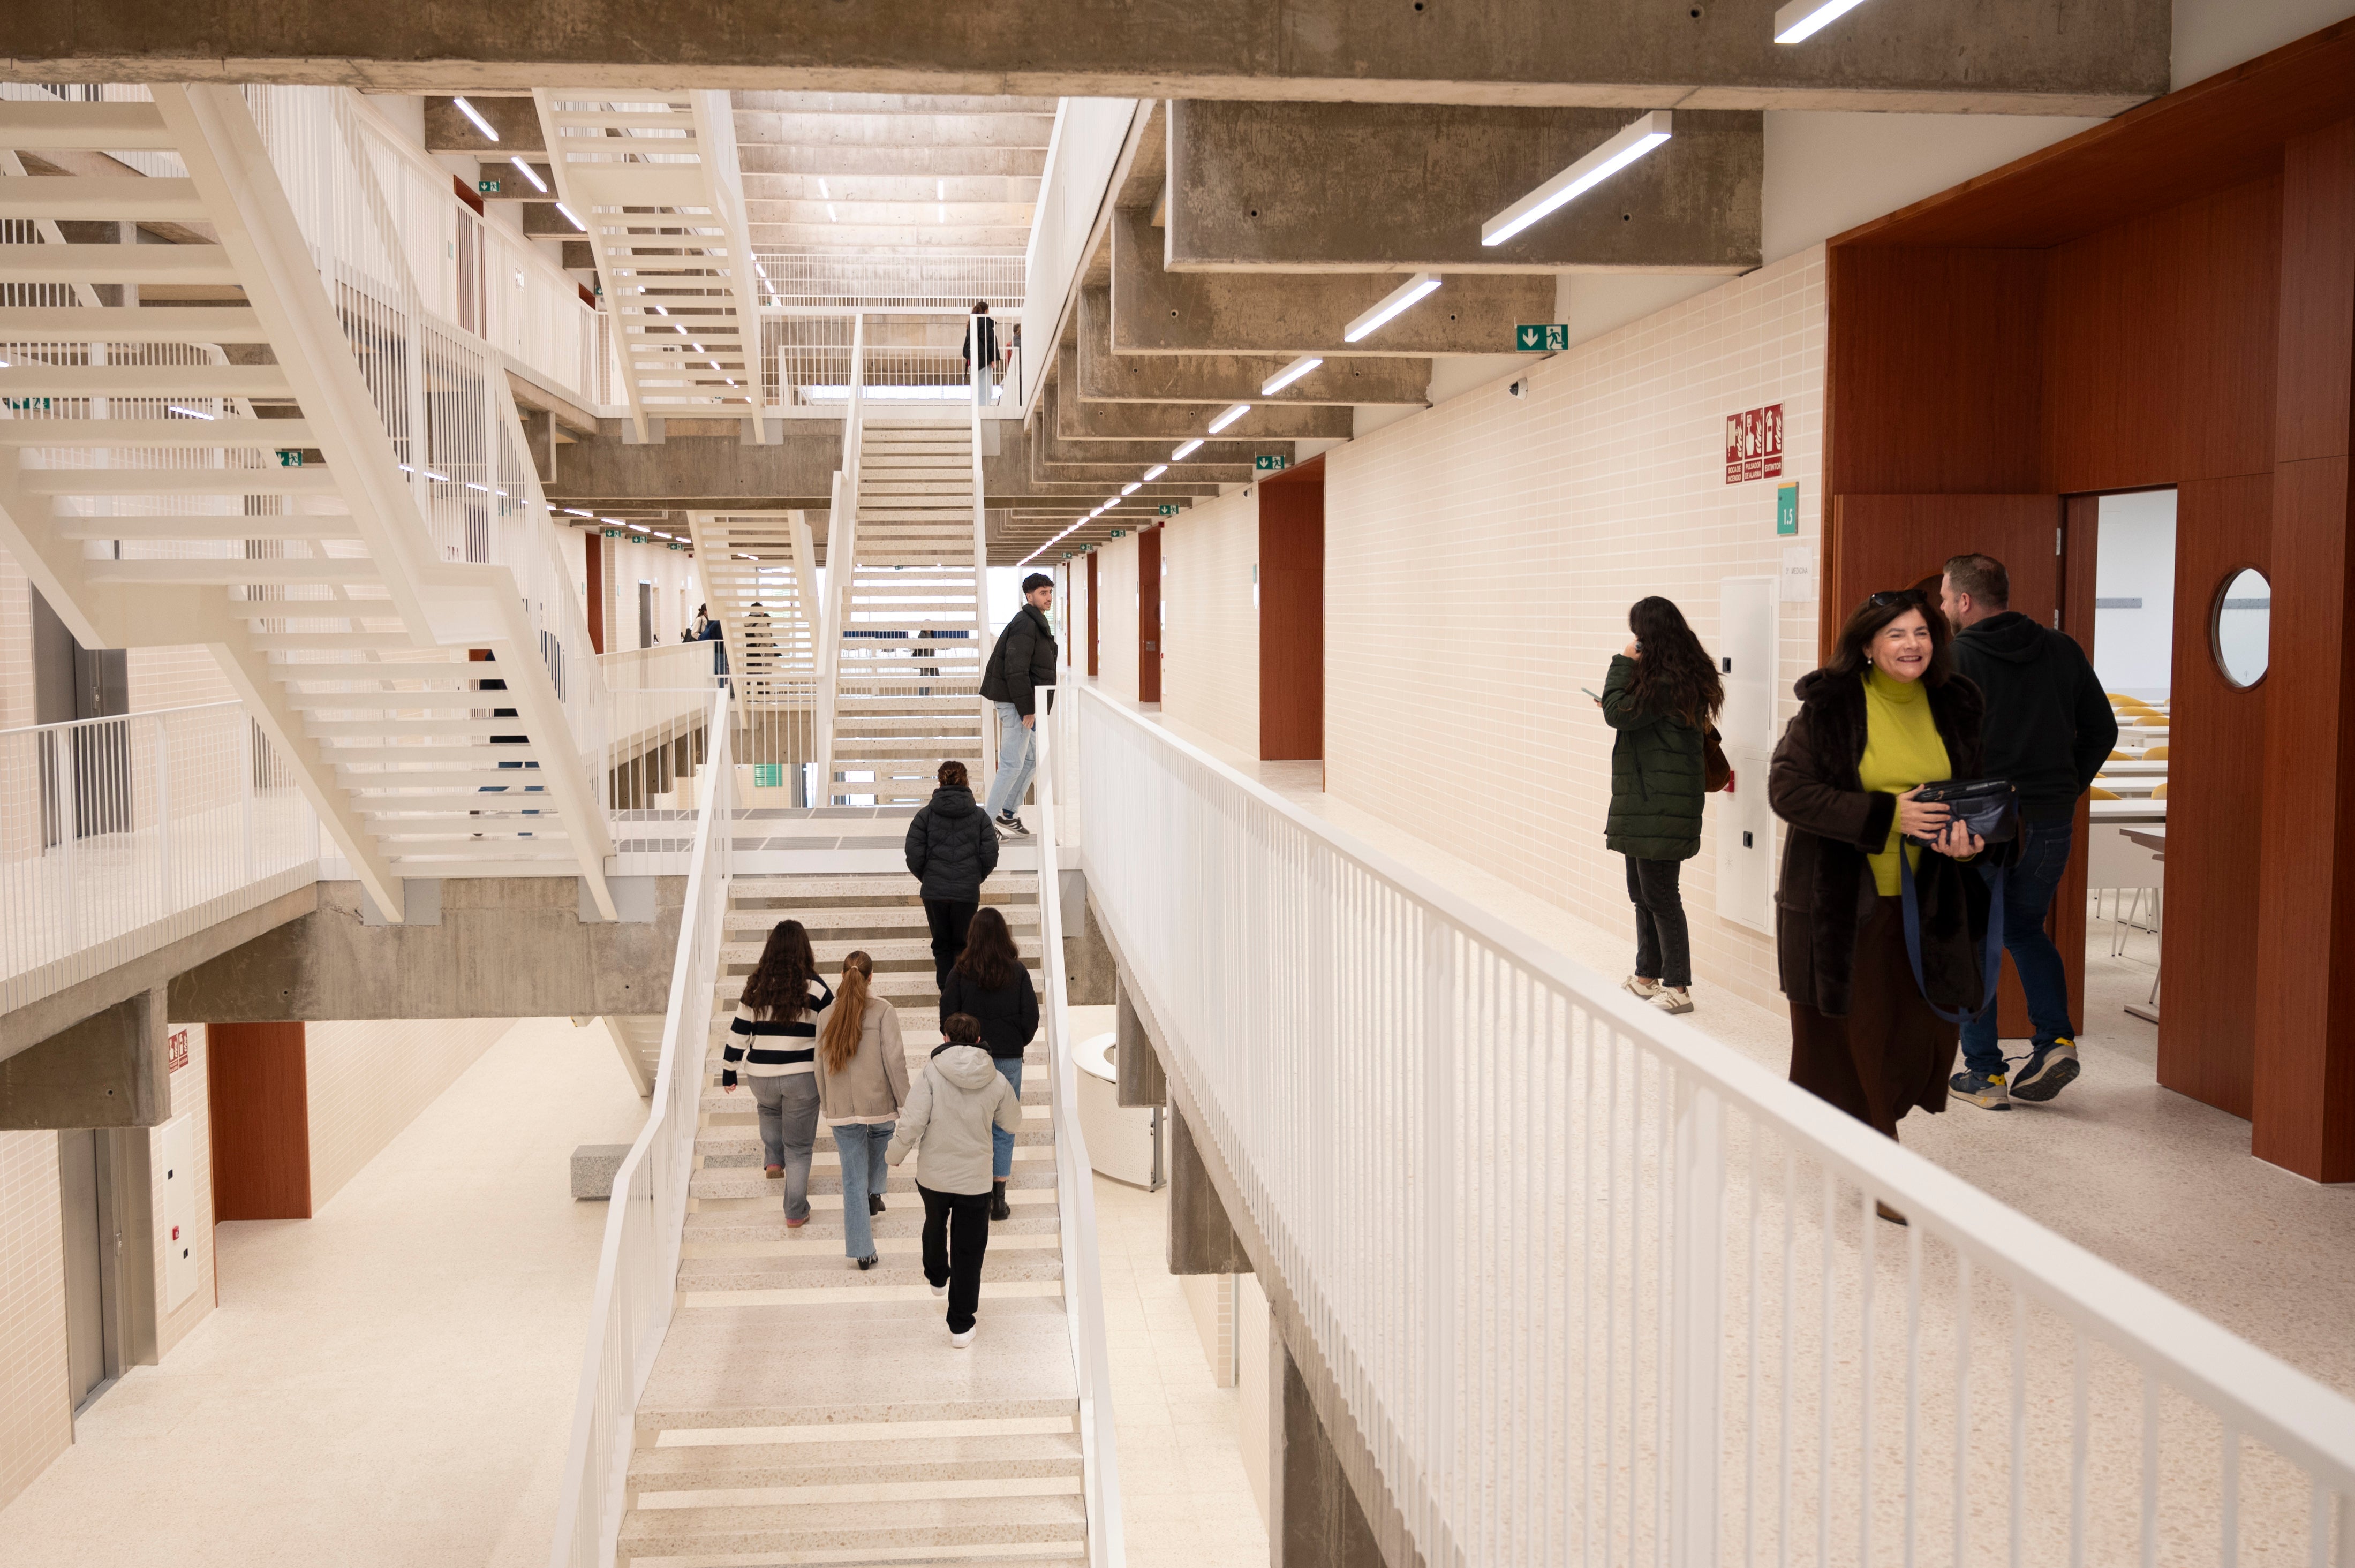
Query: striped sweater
pixel 771 1049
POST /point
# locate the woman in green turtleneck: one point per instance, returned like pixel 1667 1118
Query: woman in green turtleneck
pixel 1886 715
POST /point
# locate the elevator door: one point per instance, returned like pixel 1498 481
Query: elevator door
pixel 86 1325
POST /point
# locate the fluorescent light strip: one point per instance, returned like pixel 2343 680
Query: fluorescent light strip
pixel 1389 305
pixel 570 218
pixel 1188 450
pixel 1156 472
pixel 832 215
pixel 536 183
pixel 576 512
pixel 191 413
pixel 1131 489
pixel 1109 505
pixel 471 112
pixel 1288 374
pixel 1635 139
pixel 1803 19
pixel 823 194
pixel 1229 417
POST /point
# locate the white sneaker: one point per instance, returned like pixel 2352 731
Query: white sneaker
pixel 939 1290
pixel 960 1341
pixel 1673 998
pixel 1647 988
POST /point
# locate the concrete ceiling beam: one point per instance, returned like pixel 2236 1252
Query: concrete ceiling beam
pixel 1337 187
pixel 447 129
pixel 1155 310
pixel 1077 419
pixel 1226 378
pixel 2019 57
pixel 1042 432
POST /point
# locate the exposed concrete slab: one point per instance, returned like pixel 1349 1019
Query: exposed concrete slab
pixel 1054 447
pixel 1202 1241
pixel 38 1020
pixel 516 120
pixel 1155 311
pixel 1077 419
pixel 682 470
pixel 2037 57
pixel 1314 1519
pixel 1332 187
pixel 1106 377
pixel 1137 1067
pixel 506 948
pixel 112 1069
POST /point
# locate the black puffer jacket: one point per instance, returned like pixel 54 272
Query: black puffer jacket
pixel 1657 774
pixel 1022 661
pixel 950 846
pixel 1008 1016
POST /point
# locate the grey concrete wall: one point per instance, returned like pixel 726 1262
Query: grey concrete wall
pixel 109 1070
pixel 1225 378
pixel 503 948
pixel 1314 1517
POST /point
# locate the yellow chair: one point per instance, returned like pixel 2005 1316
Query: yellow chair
pixel 2152 754
pixel 2098 793
pixel 2160 793
pixel 2120 757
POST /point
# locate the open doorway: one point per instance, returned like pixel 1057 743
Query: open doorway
pixel 2133 654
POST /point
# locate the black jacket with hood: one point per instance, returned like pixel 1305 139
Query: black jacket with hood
pixel 950 846
pixel 1023 661
pixel 2048 724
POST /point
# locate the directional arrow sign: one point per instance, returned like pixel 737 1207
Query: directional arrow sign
pixel 1270 462
pixel 1537 337
pixel 1168 509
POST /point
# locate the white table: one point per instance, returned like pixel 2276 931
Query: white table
pixel 2153 839
pixel 2129 810
pixel 2134 766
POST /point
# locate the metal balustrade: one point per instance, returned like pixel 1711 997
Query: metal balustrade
pixel 1596 1289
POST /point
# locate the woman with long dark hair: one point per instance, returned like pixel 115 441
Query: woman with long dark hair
pixel 951 851
pixel 989 983
pixel 862 1084
pixel 1662 695
pixel 774 1035
pixel 1887 714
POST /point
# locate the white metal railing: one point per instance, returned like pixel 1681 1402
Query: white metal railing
pixel 637 1267
pixel 1090 134
pixel 831 281
pixel 988 639
pixel 1595 1289
pixel 119 835
pixel 841 549
pixel 907 356
pixel 1076 1203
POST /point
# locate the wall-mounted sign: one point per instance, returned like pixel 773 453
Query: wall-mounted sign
pixel 1536 337
pixel 177 1044
pixel 487 187
pixel 1168 509
pixel 290 457
pixel 1270 462
pixel 611 533
pixel 1753 444
pixel 768 775
pixel 676 545
pixel 1120 533
pixel 1786 509
pixel 1799 574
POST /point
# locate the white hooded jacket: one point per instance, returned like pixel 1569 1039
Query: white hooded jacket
pixel 948 1117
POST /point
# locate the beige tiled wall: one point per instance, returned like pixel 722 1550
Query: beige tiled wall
pixel 368 1081
pixel 1116 619
pixel 176 678
pixel 1481 555
pixel 1252 1376
pixel 1209 664
pixel 191 1098
pixel 15 646
pixel 36 1423
pixel 1211 1300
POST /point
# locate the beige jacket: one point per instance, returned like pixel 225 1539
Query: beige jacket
pixel 960 1098
pixel 873 1084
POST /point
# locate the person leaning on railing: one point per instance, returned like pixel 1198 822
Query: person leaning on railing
pixel 1887 714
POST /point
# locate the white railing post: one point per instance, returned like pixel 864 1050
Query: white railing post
pixel 985 638
pixel 1697 1290
pixel 162 809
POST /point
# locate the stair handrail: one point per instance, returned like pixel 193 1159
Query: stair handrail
pixel 637 1265
pixel 841 549
pixel 987 640
pixel 1075 1185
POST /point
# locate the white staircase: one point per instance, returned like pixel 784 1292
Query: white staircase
pixel 259 443
pixel 908 681
pixel 804 1410
pixel 654 182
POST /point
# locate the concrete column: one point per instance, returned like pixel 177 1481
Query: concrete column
pixel 112 1069
pixel 1203 1240
pixel 1313 1519
pixel 540 434
pixel 1141 1080
pixel 1090 977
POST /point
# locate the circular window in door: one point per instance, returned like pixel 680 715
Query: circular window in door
pixel 2241 631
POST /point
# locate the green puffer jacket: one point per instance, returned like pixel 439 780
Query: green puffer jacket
pixel 1657 774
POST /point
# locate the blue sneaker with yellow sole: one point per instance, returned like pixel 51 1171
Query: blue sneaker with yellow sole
pixel 1984 1091
pixel 2050 1068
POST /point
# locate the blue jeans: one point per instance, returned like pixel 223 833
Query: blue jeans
pixel 1001 1141
pixel 2027 898
pixel 860 1145
pixel 1016 758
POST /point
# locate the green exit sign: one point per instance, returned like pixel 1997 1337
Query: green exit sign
pixel 611 533
pixel 1168 509
pixel 1270 462
pixel 1786 509
pixel 1537 338
pixel 768 775
pixel 290 457
pixel 1120 533
pixel 487 187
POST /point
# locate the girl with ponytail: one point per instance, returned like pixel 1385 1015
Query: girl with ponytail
pixel 862 1084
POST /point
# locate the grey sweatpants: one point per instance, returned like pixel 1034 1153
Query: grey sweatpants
pixel 788 1105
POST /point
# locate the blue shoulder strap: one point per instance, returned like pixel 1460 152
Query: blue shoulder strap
pixel 1990 963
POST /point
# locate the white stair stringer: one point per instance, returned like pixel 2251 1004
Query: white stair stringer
pixel 652 179
pixel 907 676
pixel 870 1440
pixel 218 472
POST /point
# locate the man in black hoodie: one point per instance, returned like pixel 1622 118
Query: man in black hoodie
pixel 2048 730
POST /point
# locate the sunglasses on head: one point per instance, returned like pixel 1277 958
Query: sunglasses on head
pixel 1888 596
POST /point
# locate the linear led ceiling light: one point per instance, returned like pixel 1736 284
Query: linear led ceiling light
pixel 1389 305
pixel 1188 450
pixel 1131 489
pixel 571 219
pixel 1288 374
pixel 1801 19
pixel 1636 138
pixel 536 183
pixel 1229 417
pixel 1156 472
pixel 471 112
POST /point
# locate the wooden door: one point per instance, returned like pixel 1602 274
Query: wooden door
pixel 1877 542
pixel 1292 615
pixel 1149 616
pixel 258 1079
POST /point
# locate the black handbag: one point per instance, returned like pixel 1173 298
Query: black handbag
pixel 1989 807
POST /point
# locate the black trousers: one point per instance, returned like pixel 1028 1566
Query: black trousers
pixel 957 1238
pixel 1663 942
pixel 948 920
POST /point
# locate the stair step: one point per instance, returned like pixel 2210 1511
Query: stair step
pixel 828 1269
pixel 747 1180
pixel 1004 884
pixel 837 1530
pixel 837 1462
pixel 865 917
pixel 765 1214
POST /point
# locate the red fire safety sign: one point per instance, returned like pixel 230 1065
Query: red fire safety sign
pixel 1753 444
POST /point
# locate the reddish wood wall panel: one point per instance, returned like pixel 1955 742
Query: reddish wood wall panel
pixel 259 1084
pixel 2156 332
pixel 1149 616
pixel 1934 376
pixel 1292 619
pixel 593 554
pixel 1091 614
